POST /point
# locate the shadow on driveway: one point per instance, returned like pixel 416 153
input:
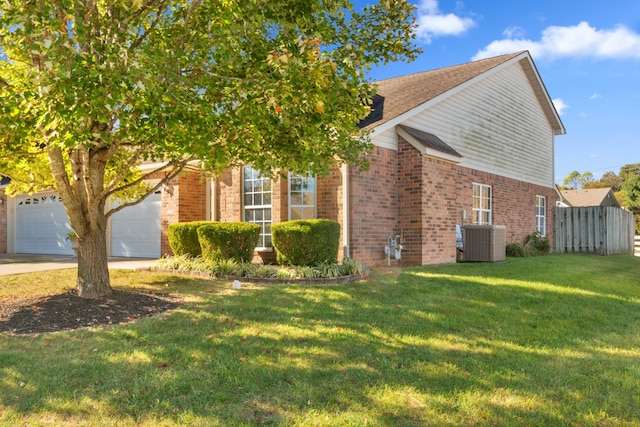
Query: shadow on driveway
pixel 27 263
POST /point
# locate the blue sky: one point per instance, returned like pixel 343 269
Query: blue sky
pixel 587 53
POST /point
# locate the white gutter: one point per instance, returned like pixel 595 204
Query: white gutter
pixel 559 193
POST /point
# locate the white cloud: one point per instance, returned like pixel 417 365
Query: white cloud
pixel 578 41
pixel 513 32
pixel 433 23
pixel 560 105
pixel 595 96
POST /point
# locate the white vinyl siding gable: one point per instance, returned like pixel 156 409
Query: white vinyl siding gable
pixel 496 124
pixel 386 139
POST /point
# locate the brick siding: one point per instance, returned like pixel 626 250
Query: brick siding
pixel 329 194
pixel 184 199
pixel 422 199
pixel 418 197
pixel 374 206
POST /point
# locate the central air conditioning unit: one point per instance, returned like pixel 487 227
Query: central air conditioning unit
pixel 484 243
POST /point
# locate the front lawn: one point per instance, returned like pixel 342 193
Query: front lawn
pixel 540 341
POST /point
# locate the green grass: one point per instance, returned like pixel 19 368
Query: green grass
pixel 543 341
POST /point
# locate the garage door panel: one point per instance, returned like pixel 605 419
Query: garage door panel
pixel 42 225
pixel 135 230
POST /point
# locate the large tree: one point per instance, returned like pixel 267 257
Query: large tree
pixel 576 181
pixel 630 188
pixel 629 193
pixel 612 180
pixel 89 89
pixel 571 181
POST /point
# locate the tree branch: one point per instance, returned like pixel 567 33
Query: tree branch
pixel 133 161
pixel 159 15
pixel 175 167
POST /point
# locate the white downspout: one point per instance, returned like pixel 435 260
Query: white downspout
pixel 555 186
pixel 212 200
pixel 346 226
pixel 209 186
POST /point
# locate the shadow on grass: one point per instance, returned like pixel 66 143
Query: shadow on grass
pixel 429 348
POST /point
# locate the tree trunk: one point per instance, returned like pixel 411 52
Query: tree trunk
pixel 93 267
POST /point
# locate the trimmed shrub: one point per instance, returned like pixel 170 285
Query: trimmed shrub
pixel 228 240
pixel 515 250
pixel 183 238
pixel 306 242
pixel 535 244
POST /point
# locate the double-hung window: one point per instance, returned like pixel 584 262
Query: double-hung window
pixel 256 197
pixel 541 215
pixel 302 197
pixel 481 204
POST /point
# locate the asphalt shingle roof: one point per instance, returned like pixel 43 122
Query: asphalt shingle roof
pixel 404 93
pixel 589 197
pixel 429 140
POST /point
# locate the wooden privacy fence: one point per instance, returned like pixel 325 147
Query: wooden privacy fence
pixel 602 230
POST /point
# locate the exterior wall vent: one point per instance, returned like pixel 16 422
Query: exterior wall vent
pixel 484 243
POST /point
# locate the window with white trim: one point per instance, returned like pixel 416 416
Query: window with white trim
pixel 541 215
pixel 302 197
pixel 256 198
pixel 481 204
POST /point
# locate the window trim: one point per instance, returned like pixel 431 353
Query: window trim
pixel 315 196
pixel 477 212
pixel 541 217
pixel 263 234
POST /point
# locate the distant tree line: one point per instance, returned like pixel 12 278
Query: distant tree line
pixel 625 185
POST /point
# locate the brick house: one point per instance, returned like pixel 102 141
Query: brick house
pixel 472 143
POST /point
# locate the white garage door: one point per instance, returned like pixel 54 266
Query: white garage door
pixel 135 230
pixel 42 225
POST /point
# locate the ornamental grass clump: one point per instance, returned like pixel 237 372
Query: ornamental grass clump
pixel 352 266
pixel 225 267
pixel 306 242
pixel 228 240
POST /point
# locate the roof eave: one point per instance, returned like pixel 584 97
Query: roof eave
pixel 541 92
pixel 532 74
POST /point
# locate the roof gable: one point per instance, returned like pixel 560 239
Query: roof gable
pixel 589 197
pixel 408 95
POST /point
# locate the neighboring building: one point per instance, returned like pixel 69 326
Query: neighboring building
pixel 587 198
pixel 472 143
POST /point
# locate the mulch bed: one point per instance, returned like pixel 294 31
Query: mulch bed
pixel 67 311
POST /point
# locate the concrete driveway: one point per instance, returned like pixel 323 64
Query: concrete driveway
pixel 27 263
